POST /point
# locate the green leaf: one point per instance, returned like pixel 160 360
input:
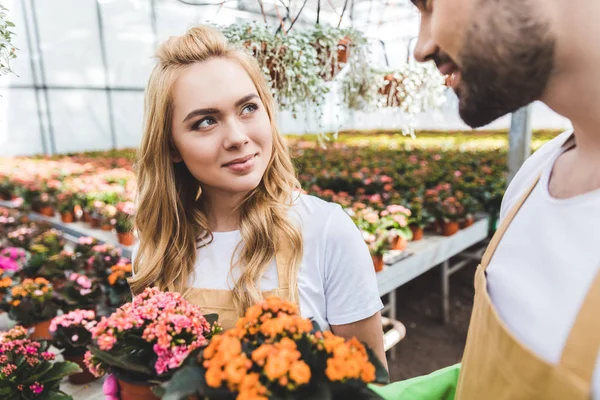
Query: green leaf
pixel 60 370
pixel 45 367
pixel 185 382
pixel 121 361
pixel 381 374
pixel 211 318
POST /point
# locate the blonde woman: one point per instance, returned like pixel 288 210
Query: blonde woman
pixel 220 215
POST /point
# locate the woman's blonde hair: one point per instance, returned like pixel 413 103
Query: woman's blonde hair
pixel 170 219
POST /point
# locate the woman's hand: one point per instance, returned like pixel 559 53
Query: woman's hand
pixel 368 330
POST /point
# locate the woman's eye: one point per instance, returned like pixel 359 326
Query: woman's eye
pixel 204 123
pixel 249 108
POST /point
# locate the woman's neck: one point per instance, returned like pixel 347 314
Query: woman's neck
pixel 222 210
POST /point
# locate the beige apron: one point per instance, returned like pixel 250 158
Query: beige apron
pixel 221 301
pixel 496 366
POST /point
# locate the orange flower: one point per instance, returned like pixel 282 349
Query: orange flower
pixel 236 369
pixel 16 303
pixel 214 377
pixel 259 355
pixel 368 373
pixel 5 282
pixel 300 372
pixel 276 367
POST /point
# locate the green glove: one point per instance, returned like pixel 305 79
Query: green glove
pixel 439 385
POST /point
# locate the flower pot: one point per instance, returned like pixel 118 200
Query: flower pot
pixel 377 262
pixel 83 377
pixel 399 243
pixel 449 228
pixel 66 217
pixel 41 330
pixel 47 211
pixel 94 222
pixel 467 222
pixel 343 50
pixel 417 232
pixel 106 227
pixel 126 238
pixel 129 391
pixel 86 217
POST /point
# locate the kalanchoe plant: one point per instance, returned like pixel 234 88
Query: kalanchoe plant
pixel 13 259
pixel 32 302
pixel 274 353
pixel 451 209
pixel 72 332
pixel 57 267
pixel 118 290
pixel 6 282
pixel 124 217
pixel 79 292
pixel 53 240
pixel 21 236
pixel 395 219
pixel 39 256
pixel 147 339
pixel 420 217
pixel 28 370
pixel 85 244
pixel 104 256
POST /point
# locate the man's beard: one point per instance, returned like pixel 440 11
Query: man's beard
pixel 506 62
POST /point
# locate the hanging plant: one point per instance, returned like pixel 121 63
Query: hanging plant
pixel 7 50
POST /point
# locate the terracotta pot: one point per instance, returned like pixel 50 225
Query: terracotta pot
pixel 86 217
pixel 41 330
pixel 126 239
pixel 467 222
pixel 377 262
pixel 66 217
pixel 449 228
pixel 130 391
pixel 47 211
pixel 399 243
pixel 417 232
pixel 343 50
pixel 106 227
pixel 83 377
pixel 387 88
pixel 95 222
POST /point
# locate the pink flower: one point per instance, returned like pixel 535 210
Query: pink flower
pixel 457 174
pixel 36 388
pixel 75 338
pixel 401 220
pixel 110 388
pixel 85 292
pixel 48 356
pixel 86 240
pixel 437 157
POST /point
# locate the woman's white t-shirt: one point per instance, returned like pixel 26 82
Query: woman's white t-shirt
pixel 336 281
pixel 547 259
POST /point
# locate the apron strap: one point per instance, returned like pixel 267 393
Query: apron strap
pixel 491 249
pixel 581 351
pixel 283 260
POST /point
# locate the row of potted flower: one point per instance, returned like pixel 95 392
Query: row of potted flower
pixel 40 276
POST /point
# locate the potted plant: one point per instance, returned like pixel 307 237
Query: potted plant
pixel 395 219
pixel 469 207
pixel 84 246
pixel 66 203
pixel 124 223
pixel 13 259
pixel 451 210
pixel 6 282
pixel 21 236
pixel 32 305
pixel 289 62
pixel 103 257
pixel 118 291
pixel 378 242
pixel 107 221
pixel 52 239
pixel 79 292
pixel 29 370
pixel 420 218
pixel 39 256
pixel 144 341
pixel 275 353
pixel 71 333
pixel 44 204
